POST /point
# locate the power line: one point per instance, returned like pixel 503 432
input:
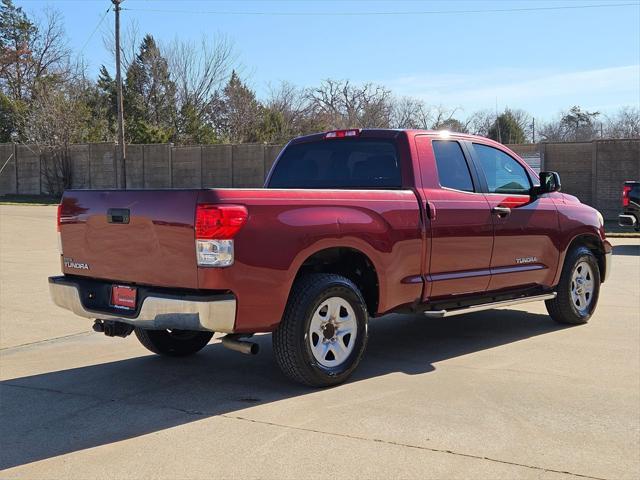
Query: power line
pixel 364 13
pixel 94 31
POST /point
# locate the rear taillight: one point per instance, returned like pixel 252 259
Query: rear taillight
pixel 625 195
pixel 58 222
pixel 353 132
pixel 59 217
pixel 215 227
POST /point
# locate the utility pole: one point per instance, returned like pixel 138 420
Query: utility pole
pixel 121 146
pixel 533 130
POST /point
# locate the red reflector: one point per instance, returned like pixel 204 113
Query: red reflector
pixel 219 221
pixel 122 296
pixel 354 132
pixel 625 195
pixel 59 216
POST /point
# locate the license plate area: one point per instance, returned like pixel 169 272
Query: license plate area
pixel 123 297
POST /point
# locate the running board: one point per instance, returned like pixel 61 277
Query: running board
pixel 488 306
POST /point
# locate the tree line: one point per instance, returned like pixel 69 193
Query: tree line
pixel 193 93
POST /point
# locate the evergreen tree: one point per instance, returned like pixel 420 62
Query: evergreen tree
pixel 506 129
pixel 237 113
pixel 149 97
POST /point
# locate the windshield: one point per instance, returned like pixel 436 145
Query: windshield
pixel 338 163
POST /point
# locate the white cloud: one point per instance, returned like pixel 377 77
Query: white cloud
pixel 543 93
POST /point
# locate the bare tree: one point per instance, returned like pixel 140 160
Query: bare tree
pixel 57 118
pixel 290 102
pixel 407 112
pixel 523 120
pixel 573 125
pixel 130 41
pixel 340 104
pixel 32 51
pixel 199 69
pixel 480 122
pixel 625 123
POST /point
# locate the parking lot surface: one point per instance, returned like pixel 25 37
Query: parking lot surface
pixel 498 394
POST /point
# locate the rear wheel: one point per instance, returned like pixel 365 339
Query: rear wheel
pixel 578 289
pixel 323 333
pixel 173 343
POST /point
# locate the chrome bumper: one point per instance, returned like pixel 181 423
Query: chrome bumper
pixel 157 313
pixel 625 220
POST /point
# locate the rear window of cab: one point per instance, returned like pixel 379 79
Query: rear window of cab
pixel 348 163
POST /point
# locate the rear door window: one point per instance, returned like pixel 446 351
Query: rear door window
pixel 338 163
pixel 504 174
pixel 453 170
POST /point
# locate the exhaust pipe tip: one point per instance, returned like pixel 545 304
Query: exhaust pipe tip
pixel 233 343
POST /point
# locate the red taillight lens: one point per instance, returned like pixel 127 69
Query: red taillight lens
pixel 219 221
pixel 625 195
pixel 353 132
pixel 59 217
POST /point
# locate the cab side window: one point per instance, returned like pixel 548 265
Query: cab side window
pixel 453 171
pixel 503 173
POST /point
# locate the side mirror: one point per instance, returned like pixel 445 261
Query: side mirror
pixel 549 182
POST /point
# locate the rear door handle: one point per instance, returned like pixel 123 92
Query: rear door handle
pixel 501 211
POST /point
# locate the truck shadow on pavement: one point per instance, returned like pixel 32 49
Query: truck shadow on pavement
pixel 61 412
pixel 626 250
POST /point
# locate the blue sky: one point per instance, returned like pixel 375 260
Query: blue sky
pixel 542 61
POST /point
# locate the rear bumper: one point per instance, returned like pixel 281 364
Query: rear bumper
pixel 157 309
pixel 626 220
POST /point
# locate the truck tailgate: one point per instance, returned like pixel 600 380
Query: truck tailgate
pixel 155 245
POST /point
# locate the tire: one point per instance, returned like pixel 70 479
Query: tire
pixel 175 343
pixel 576 302
pixel 311 345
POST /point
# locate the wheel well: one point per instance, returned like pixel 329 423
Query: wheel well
pixel 350 263
pixel 594 244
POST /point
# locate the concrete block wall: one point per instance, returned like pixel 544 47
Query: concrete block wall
pixel 593 171
pixel 615 162
pixel 28 179
pixel 157 166
pixel 102 165
pixel 8 173
pixel 135 166
pixel 186 167
pixel 574 163
pixel 80 158
pixel 217 171
pixel 248 166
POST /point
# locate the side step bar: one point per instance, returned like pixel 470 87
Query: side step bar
pixel 488 306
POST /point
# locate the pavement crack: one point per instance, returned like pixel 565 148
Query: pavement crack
pixel 198 413
pixel 408 445
pixel 47 340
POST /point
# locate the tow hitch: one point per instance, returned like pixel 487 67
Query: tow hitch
pixel 112 328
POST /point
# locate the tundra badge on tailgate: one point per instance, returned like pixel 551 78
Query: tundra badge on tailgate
pixel 69 263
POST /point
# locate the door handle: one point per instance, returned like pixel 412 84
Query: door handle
pixel 431 210
pixel 501 211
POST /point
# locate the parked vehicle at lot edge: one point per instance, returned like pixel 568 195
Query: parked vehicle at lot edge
pixel 351 224
pixel 630 216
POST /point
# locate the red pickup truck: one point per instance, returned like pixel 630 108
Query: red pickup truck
pixel 351 224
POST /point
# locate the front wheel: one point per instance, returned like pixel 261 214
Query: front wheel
pixel 578 289
pixel 323 333
pixel 173 343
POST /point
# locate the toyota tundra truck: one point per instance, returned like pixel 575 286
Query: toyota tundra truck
pixel 350 225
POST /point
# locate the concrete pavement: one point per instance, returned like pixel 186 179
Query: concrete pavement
pixel 499 394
